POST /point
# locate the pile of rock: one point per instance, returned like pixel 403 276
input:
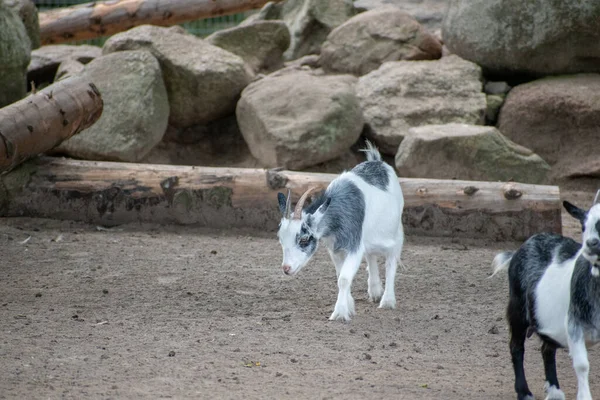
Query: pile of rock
pixel 301 82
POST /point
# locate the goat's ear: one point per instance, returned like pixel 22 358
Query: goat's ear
pixel 318 215
pixel 282 202
pixel 575 212
pixel 323 207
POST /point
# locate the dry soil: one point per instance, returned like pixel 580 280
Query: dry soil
pixel 145 311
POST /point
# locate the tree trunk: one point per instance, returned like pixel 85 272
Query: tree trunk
pixel 95 19
pixel 114 193
pixel 43 120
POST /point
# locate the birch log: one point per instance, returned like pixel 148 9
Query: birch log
pixel 104 18
pixel 41 121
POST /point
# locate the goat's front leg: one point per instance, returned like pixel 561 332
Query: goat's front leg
pixel 580 361
pixel 375 287
pixel 389 296
pixel 344 307
pixel 338 261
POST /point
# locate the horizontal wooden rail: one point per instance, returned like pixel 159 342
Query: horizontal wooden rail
pixel 105 18
pixel 111 193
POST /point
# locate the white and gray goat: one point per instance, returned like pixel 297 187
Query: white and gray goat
pixel 554 286
pixel 359 215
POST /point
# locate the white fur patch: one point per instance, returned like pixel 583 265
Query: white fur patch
pixel 553 296
pixel 595 272
pixel 553 393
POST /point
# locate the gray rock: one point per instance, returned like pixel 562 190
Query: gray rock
pixel 469 152
pixel 136 109
pixel 28 13
pixel 521 37
pixel 494 104
pixel 309 22
pixel 68 68
pixel 558 118
pixel 365 41
pixel 403 94
pixel 15 49
pixel 270 11
pixel 261 44
pixel 297 119
pixel 45 60
pixel 492 87
pixel 311 61
pixel 203 81
pixel 429 13
pixel 217 144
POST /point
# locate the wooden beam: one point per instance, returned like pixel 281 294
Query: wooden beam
pixel 111 193
pixel 43 120
pixel 104 18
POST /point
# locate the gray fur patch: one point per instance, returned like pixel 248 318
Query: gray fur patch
pixel 374 173
pixel 344 216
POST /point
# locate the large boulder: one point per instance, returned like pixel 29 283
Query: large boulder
pixel 15 48
pixel 136 109
pixel 520 37
pixel 297 119
pixel 403 94
pixel 309 22
pixel 45 60
pixel 261 44
pixel 28 13
pixel 203 81
pixel 217 144
pixel 469 152
pixel 68 68
pixel 365 41
pixel 429 13
pixel 559 119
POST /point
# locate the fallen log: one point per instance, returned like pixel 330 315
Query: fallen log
pixel 95 19
pixel 111 193
pixel 41 121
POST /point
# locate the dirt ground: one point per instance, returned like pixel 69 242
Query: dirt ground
pixel 145 311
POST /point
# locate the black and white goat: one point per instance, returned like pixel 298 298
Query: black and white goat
pixel 359 215
pixel 554 285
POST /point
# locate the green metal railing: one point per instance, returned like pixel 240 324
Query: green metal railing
pixel 200 28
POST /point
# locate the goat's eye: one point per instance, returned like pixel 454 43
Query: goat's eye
pixel 304 241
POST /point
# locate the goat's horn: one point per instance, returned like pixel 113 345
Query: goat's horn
pixel 597 197
pixel 288 204
pixel 298 209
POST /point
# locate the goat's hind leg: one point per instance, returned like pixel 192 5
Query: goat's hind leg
pixel 375 287
pixel 553 391
pixel 389 296
pixel 518 333
pixel 391 265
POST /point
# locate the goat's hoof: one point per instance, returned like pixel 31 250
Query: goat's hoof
pixel 375 294
pixel 553 393
pixel 387 303
pixel 339 317
pixel 340 314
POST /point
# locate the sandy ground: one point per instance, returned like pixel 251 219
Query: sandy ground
pixel 145 311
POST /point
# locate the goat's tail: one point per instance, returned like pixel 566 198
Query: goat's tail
pixel 501 262
pixel 371 152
